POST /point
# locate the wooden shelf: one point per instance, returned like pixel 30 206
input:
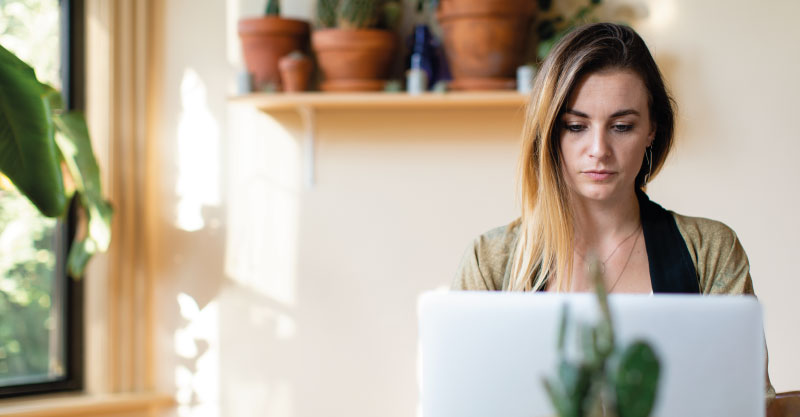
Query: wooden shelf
pixel 335 101
pixel 308 104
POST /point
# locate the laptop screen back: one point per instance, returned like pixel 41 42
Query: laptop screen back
pixel 485 354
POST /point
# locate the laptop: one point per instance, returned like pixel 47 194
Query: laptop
pixel 484 354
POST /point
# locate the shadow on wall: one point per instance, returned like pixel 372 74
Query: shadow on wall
pixel 195 226
pixel 259 298
pixel 319 294
pixel 234 334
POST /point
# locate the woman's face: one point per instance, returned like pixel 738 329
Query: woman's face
pixel 604 132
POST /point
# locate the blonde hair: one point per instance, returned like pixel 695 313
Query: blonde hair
pixel 544 248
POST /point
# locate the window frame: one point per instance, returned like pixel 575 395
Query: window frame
pixel 72 36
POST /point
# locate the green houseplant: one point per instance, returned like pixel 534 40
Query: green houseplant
pixel 265 40
pixel 607 380
pixel 37 137
pixel 551 27
pixel 484 40
pixel 355 43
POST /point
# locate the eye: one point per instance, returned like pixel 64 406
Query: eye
pixel 574 127
pixel 622 128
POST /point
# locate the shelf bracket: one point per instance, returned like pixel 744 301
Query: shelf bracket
pixel 309 138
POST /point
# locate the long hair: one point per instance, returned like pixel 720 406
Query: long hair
pixel 544 249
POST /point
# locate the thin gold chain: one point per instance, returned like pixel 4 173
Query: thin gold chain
pixel 630 255
pixel 603 263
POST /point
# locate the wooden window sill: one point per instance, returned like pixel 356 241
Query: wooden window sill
pixel 67 405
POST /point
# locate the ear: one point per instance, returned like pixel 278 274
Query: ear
pixel 652 136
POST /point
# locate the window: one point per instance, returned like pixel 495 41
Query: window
pixel 40 307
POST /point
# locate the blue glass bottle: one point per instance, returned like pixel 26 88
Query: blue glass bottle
pixel 423 53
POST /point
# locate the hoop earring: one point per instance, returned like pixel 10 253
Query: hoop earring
pixel 648 154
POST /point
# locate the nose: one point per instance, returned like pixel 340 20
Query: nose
pixel 599 147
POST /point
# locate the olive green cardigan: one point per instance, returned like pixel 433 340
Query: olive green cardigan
pixel 719 260
pixel 718 257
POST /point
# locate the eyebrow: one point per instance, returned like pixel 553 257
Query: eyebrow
pixel 618 113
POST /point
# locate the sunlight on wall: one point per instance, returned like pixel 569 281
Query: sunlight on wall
pixel 662 14
pixel 233 45
pixel 197 346
pixel 197 155
pixel 275 399
pixel 263 205
pixel 284 324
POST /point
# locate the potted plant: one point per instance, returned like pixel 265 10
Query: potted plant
pixel 355 44
pixel 38 138
pixel 295 72
pixel 267 39
pixel 606 379
pixel 485 41
pixel 552 27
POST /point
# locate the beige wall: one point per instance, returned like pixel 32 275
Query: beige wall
pixel 282 300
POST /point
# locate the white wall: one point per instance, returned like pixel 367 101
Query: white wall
pixel 733 67
pixel 280 300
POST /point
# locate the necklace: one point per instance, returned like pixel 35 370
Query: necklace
pixel 603 263
pixel 630 255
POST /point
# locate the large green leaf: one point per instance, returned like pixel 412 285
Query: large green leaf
pixel 8 58
pixel 27 150
pixel 637 380
pixel 76 150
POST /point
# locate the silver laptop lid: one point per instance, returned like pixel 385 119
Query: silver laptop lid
pixel 485 353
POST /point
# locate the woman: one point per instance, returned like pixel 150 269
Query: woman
pixel 599 127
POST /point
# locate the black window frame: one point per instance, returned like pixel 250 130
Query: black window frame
pixel 72 35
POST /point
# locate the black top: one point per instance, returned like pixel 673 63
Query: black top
pixel 671 267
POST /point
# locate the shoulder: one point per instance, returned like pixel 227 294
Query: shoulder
pixel 719 258
pixel 499 240
pixel 703 230
pixel 700 232
pixel 484 264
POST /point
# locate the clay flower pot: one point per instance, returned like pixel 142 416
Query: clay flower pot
pixel 265 40
pixel 295 73
pixel 353 60
pixel 484 40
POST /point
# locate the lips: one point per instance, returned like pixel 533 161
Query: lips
pixel 598 174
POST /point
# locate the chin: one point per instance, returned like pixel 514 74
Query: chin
pixel 597 192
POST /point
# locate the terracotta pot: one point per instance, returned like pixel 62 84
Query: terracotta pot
pixel 485 40
pixel 267 39
pixel 354 60
pixel 295 73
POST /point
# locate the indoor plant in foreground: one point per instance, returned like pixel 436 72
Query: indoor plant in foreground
pixel 355 43
pixel 607 380
pixel 37 136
